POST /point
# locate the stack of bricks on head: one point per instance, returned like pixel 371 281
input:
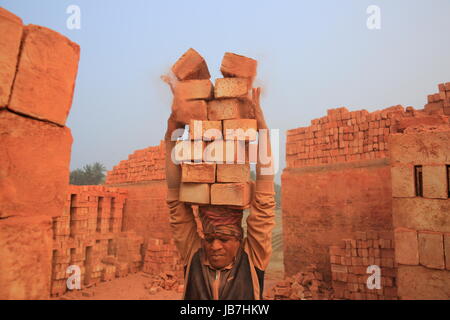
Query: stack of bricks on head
pixel 215 159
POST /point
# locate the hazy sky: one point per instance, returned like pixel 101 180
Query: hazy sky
pixel 312 56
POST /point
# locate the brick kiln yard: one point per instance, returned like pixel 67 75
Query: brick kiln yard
pixel 136 286
pixel 360 189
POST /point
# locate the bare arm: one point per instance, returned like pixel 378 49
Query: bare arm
pixel 261 220
pixel 181 217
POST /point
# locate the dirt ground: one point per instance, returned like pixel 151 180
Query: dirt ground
pixel 132 287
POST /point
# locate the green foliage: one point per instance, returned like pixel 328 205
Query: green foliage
pixel 91 174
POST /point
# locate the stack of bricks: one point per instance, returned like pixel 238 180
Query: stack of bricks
pixel 307 285
pixel 88 235
pixel 420 171
pixel 439 103
pixel 143 165
pixel 347 136
pixel 216 157
pixel 349 263
pixel 163 257
pixel 129 248
pixel 430 249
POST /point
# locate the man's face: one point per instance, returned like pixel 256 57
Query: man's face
pixel 220 249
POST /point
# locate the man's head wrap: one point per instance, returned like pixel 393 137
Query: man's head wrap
pixel 223 220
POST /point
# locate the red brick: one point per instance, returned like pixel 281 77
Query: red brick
pixel 198 172
pixel 39 151
pixel 11 29
pixel 187 110
pixel 403 181
pixel 193 89
pixel 43 50
pixel 240 129
pixel 447 250
pixel 232 194
pixel 233 172
pixel 435 182
pixel 223 109
pixel 205 130
pixel 191 65
pixel 228 151
pixel 195 193
pixel 406 246
pixel 234 65
pixel 431 250
pixel 188 150
pixel 231 88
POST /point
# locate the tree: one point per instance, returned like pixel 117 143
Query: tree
pixel 91 174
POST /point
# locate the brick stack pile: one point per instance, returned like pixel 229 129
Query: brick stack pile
pixel 420 171
pixel 307 285
pixel 349 262
pixel 346 136
pixel 439 103
pixel 38 68
pixel 165 281
pixel 215 158
pixel 143 165
pixel 129 248
pixel 163 257
pixel 88 235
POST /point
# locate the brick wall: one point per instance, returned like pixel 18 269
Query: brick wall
pixel 338 177
pixel 88 235
pixel 142 165
pixel 350 260
pixel 143 176
pixel 35 154
pixel 420 180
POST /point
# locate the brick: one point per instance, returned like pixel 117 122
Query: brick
pixel 240 129
pixel 193 89
pixel 447 250
pixel 191 65
pixel 11 29
pixel 187 110
pixel 233 172
pixel 431 250
pixel 223 109
pixel 195 193
pixel 39 151
pixel 231 88
pixel 414 213
pixel 360 235
pixel 232 194
pixel 229 151
pixel 234 65
pixel 406 246
pixel 43 50
pixel 26 257
pixel 205 130
pixel 189 150
pixel 435 182
pixel 403 181
pixel 198 172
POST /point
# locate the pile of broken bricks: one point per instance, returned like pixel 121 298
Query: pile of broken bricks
pixel 215 159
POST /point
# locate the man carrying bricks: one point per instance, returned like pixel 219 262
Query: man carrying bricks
pixel 223 264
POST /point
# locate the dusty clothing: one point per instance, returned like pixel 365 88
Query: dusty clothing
pixel 244 278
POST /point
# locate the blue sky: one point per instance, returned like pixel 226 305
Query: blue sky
pixel 312 56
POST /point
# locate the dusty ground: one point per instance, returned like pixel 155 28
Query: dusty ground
pixel 132 287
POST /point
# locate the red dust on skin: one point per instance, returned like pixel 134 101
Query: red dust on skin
pixel 220 249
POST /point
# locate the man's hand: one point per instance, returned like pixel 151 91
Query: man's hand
pixel 264 168
pixel 259 115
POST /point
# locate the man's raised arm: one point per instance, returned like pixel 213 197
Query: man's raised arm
pixel 181 218
pixel 261 220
